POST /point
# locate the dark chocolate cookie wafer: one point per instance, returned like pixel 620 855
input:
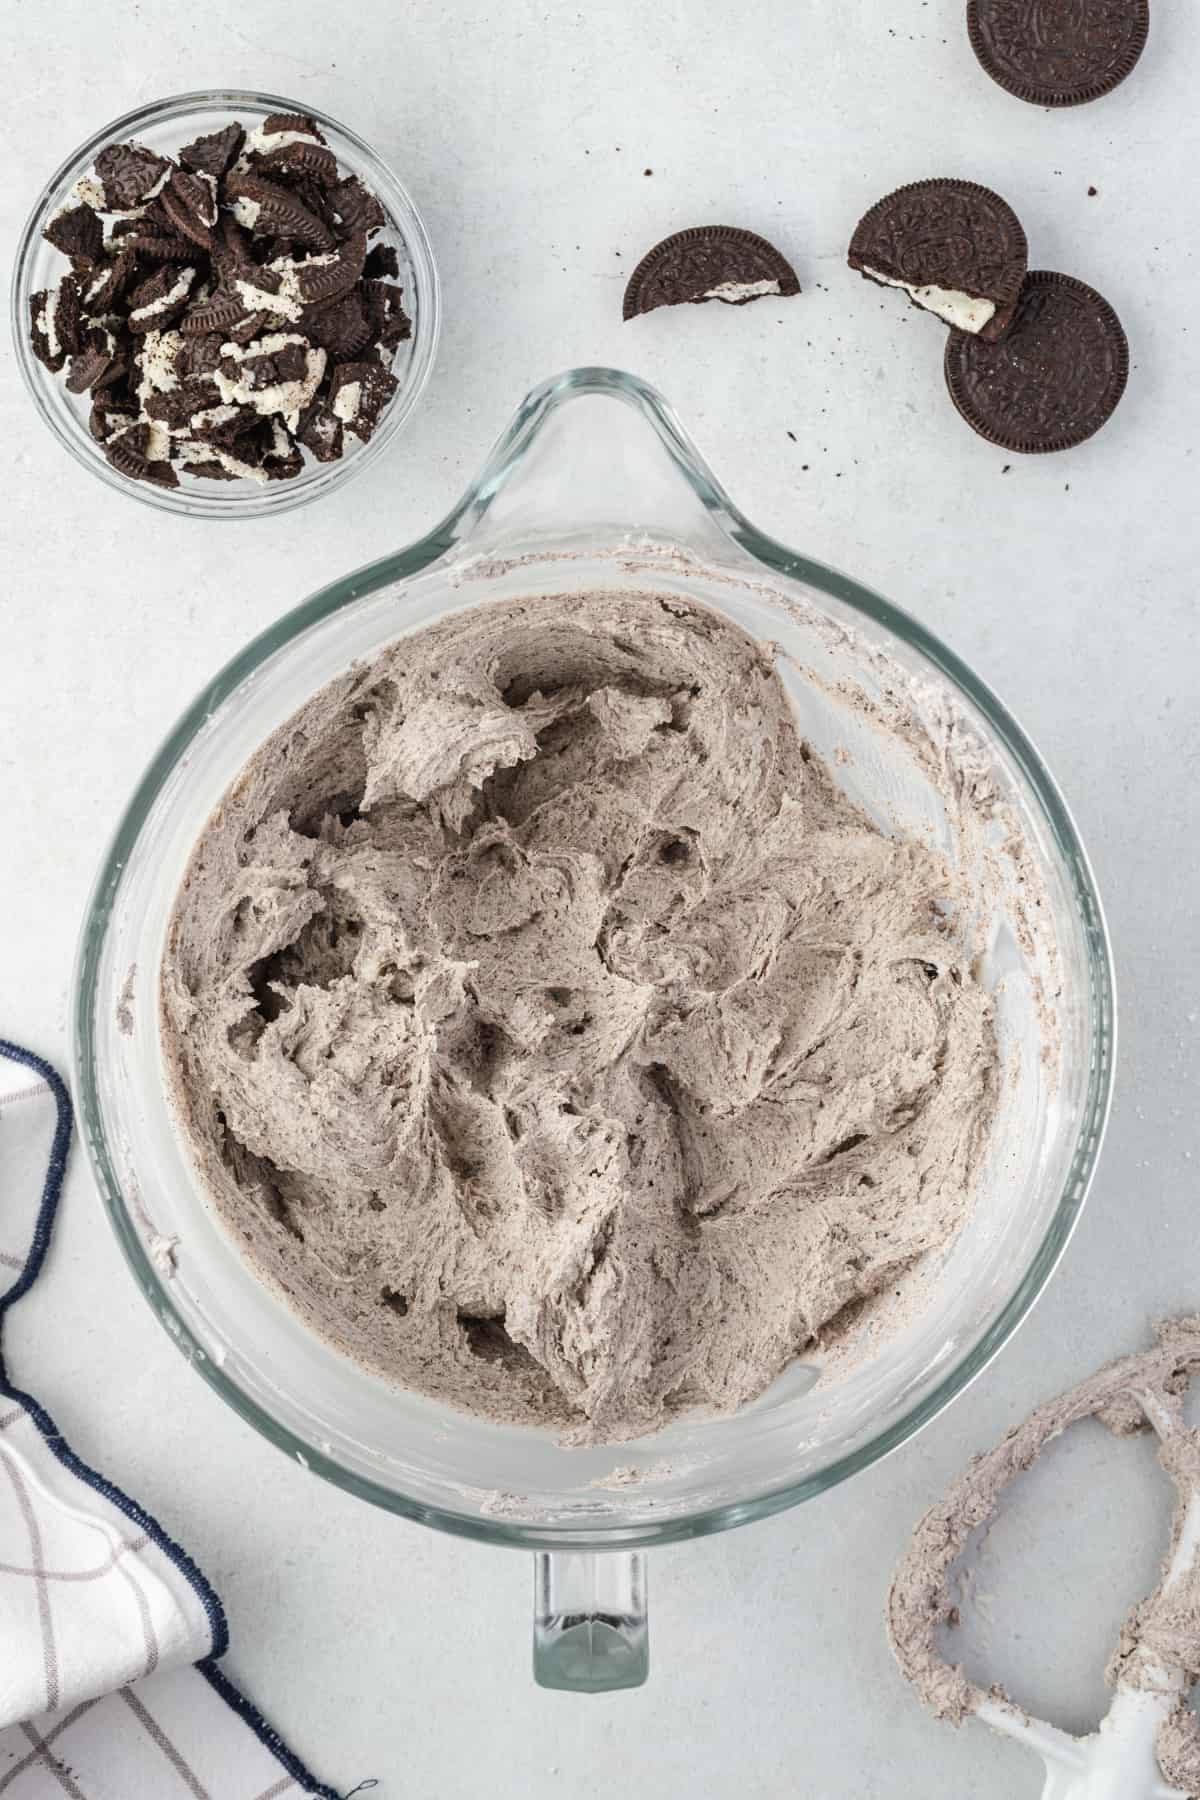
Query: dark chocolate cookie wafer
pixel 76 231
pixel 957 249
pixel 1053 379
pixel 1055 53
pixel 708 262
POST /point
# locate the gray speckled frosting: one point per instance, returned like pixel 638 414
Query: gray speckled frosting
pixel 555 1035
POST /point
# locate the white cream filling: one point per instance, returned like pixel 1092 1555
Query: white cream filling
pixel 347 401
pixel 158 443
pixel 233 465
pixel 733 291
pixel 171 298
pixel 97 285
pixel 289 302
pixel 286 397
pixel 209 215
pixel 264 141
pixel 45 323
pixel 281 444
pixel 159 352
pixel 89 190
pixel 246 212
pixel 208 419
pixel 966 312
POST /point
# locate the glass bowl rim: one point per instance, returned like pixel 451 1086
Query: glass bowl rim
pixel 278 497
pixel 437 544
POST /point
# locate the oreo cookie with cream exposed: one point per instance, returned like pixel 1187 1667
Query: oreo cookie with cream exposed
pixel 383 304
pixel 130 176
pixel 189 203
pixel 1052 53
pixel 106 280
pixel 151 240
pixel 93 362
pixel 56 319
pixel 957 249
pixel 159 301
pixel 304 158
pixel 1055 377
pixel 358 396
pixel 218 312
pixel 128 452
pixel 356 207
pixel 323 278
pixel 709 262
pixel 321 432
pixel 267 209
pixel 110 413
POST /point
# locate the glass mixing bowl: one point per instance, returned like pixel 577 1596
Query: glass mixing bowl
pixel 164 126
pixel 594 483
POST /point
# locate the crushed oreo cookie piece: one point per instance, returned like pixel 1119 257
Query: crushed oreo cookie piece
pixel 226 314
pixel 356 207
pixel 320 431
pixel 106 280
pixel 269 209
pixel 43 330
pixel 189 201
pixel 109 415
pixel 77 232
pixel 160 300
pixel 130 176
pixel 359 394
pixel 130 452
pixel 299 158
pixel 381 261
pixel 91 365
pixel 151 240
pixel 341 326
pixel 215 154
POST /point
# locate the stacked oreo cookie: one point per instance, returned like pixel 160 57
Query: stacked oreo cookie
pixel 1035 361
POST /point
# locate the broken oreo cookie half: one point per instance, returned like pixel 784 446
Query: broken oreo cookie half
pixel 225 310
pixel 709 262
pixel 956 249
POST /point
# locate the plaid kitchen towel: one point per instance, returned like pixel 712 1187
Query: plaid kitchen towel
pixel 109 1634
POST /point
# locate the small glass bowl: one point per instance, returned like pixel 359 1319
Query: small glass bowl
pixel 164 126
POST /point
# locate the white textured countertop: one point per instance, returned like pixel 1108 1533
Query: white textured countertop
pixel 523 132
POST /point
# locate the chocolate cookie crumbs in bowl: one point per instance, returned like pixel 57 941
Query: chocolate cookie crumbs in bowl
pixel 224 304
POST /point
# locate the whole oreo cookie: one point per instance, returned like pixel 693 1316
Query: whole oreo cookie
pixel 708 262
pixel 957 249
pixel 1056 376
pixel 1058 52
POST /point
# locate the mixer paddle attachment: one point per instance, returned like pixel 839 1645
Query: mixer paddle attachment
pixel 1148 1744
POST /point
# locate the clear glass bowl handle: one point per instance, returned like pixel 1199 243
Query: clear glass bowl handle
pixel 590 1632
